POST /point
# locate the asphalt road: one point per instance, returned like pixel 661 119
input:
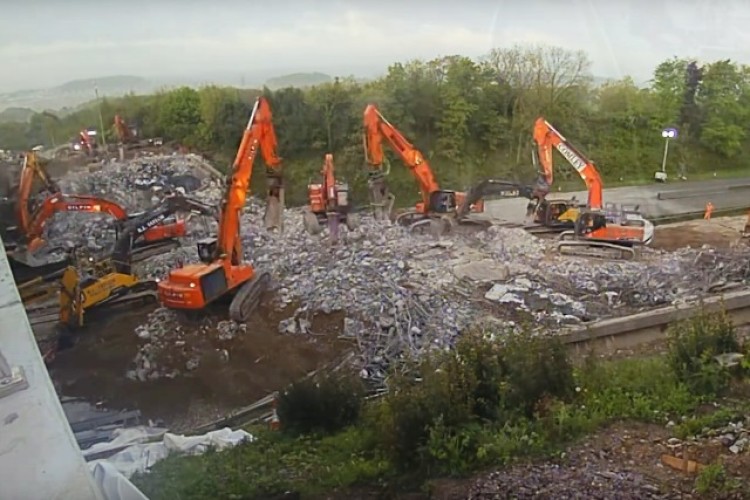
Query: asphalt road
pixel 655 200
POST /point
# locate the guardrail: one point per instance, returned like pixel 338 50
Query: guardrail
pixel 618 333
pixel 686 216
pixel 694 193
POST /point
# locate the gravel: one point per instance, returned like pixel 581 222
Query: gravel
pixel 402 295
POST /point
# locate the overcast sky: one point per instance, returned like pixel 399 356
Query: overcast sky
pixel 45 43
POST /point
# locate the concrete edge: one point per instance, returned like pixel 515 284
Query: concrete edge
pixel 655 319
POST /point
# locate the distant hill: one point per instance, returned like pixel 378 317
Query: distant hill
pixel 298 80
pixel 16 115
pixel 76 92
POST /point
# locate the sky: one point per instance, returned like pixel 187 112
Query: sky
pixel 45 43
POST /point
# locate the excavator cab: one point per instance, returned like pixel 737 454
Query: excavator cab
pixel 443 202
pixel 588 222
pixel 207 249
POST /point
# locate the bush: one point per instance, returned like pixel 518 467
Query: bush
pixel 433 422
pixel 693 345
pixel 323 403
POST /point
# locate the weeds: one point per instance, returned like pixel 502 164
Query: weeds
pixel 715 481
pixel 323 403
pixel 693 345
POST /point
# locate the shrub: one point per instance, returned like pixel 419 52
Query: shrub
pixel 535 369
pixel 429 422
pixel 693 345
pixel 323 403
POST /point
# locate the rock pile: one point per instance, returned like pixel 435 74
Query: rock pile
pixel 569 481
pixel 403 295
pixel 735 436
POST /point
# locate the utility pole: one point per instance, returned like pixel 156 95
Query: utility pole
pixel 101 120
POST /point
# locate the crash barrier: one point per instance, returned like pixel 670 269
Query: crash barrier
pixel 648 326
pixel 694 193
pixel 698 214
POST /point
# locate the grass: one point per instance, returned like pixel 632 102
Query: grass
pixel 482 405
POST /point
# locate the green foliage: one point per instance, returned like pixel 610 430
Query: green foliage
pixel 323 403
pixel 694 344
pixel 180 115
pixel 436 422
pixel 714 480
pixel 271 465
pixel 470 118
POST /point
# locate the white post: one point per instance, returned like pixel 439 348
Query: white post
pixel 664 160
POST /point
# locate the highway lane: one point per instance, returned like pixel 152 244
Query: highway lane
pixel 676 198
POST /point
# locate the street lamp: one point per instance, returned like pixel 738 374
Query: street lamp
pixel 667 133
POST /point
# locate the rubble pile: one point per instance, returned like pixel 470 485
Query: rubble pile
pixel 130 183
pixel 584 481
pixel 734 436
pixel 404 294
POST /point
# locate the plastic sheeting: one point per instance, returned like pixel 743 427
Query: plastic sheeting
pixel 136 454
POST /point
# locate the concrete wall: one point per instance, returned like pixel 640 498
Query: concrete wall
pixel 39 456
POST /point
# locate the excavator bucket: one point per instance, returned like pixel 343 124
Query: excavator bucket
pixel 381 199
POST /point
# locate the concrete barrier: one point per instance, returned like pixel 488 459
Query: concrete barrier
pixel 628 331
pixel 694 193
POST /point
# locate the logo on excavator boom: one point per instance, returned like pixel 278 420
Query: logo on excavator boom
pixel 80 207
pixel 573 158
pixel 151 223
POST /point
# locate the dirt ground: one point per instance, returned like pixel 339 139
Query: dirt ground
pixel 261 361
pixel 722 232
pixel 626 447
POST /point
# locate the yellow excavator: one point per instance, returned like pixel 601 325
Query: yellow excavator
pixel 92 284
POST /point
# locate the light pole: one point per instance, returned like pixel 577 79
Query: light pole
pixel 667 133
pixel 101 120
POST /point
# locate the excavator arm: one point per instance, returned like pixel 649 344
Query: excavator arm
pixel 378 128
pixel 137 227
pixel 86 142
pixel 123 131
pixel 492 187
pixel 87 204
pixel 259 133
pixel 32 169
pixel 547 137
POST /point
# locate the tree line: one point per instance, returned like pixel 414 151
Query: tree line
pixel 471 118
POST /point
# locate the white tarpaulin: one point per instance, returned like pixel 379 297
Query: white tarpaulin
pixel 113 473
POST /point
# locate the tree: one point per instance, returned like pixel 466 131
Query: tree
pixel 721 93
pixel 179 115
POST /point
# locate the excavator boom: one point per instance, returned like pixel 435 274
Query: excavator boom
pixel 546 137
pixel 378 128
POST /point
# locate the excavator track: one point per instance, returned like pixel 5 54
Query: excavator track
pixel 147 251
pixel 248 296
pixel 568 245
pixel 410 218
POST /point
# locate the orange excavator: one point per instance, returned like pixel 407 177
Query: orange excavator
pixel 328 201
pixel 26 237
pixel 222 271
pixel 124 134
pixel 60 202
pixel 437 205
pixel 85 142
pixel 596 226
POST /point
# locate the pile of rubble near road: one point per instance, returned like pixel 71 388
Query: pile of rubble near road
pixel 405 294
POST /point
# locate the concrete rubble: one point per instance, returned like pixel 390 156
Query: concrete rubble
pixel 570 481
pixel 401 295
pixel 734 436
